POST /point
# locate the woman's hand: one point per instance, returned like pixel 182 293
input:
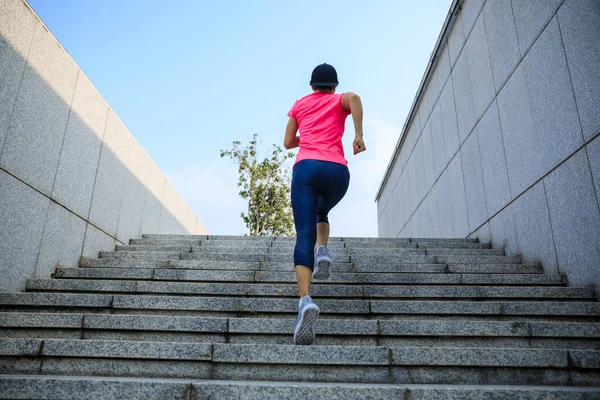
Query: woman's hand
pixel 359 146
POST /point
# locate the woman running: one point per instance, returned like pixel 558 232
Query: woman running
pixel 319 181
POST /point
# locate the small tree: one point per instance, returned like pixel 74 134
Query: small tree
pixel 265 184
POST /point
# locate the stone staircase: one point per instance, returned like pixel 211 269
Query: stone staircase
pixel 197 317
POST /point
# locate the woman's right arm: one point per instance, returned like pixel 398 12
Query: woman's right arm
pixel 351 101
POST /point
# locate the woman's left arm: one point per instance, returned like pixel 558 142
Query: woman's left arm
pixel 291 140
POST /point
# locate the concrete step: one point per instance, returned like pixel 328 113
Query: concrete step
pixel 290 306
pixel 324 290
pixel 285 326
pixel 427 251
pixel 474 268
pixel 276 276
pixel 256 354
pixel 72 387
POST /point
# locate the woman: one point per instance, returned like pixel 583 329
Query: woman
pixel 320 180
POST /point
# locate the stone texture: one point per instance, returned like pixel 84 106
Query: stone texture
pixel 456 40
pixel 493 160
pixel 531 18
pixel 220 265
pixel 533 229
pixel 286 326
pixel 470 10
pixel 172 202
pixel 40 320
pixel 35 135
pixel 434 307
pixel 420 291
pixel 579 22
pixel 460 221
pixel 134 192
pixel 480 69
pixel 139 302
pixel 449 119
pixel 428 175
pixel 56 299
pixel 155 323
pixel 593 152
pixel 463 95
pixel 20 347
pixel 251 390
pixel 305 373
pixel 80 153
pixel 539 118
pixel 565 329
pixel 503 392
pixel 17 25
pixel 104 273
pixel 123 367
pixel 480 357
pixel 96 241
pixel 574 216
pixel 141 255
pixel 231 257
pixel 22 212
pixel 126 349
pixel 502 40
pixel 214 276
pixel 537 292
pixel 585 359
pixel 432 212
pixel 322 355
pixel 80 285
pixel 62 241
pixel 473 179
pixel 444 206
pixel 155 185
pixel 453 328
pixel 110 178
pixel 503 231
pixel 438 147
pixel 46 387
pixel 551 308
pixel 118 263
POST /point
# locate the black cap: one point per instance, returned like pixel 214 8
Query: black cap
pixel 324 75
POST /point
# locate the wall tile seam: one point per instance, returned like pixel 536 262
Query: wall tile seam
pixel 564 52
pixel 20 84
pixel 98 162
pixel 467 35
pixel 537 36
pixel 79 70
pixel 512 12
pixel 454 10
pixel 64 133
pixel 482 179
pixel 56 202
pixel 552 233
pixel 587 156
pixel 583 147
pixel 39 246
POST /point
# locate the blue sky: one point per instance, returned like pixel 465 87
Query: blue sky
pixel 190 77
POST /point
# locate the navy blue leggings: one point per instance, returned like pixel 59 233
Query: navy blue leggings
pixel 317 186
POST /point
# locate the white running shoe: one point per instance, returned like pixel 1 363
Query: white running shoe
pixel 308 312
pixel 321 270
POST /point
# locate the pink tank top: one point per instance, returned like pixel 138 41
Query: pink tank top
pixel 321 119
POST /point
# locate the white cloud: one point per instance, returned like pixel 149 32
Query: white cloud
pixel 211 190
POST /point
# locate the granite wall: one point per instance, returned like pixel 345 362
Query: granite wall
pixel 503 140
pixel 73 179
